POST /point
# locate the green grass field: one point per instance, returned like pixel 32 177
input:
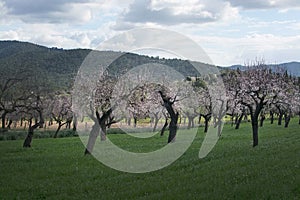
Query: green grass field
pixel 57 169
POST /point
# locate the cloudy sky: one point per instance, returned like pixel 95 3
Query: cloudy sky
pixel 229 31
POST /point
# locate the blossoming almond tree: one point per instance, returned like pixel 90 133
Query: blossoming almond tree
pixel 258 87
pixel 61 111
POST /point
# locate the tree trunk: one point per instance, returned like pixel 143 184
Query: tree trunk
pixel 129 121
pixel 287 118
pixel 68 124
pixel 272 117
pixel 156 119
pixel 75 123
pixel 262 119
pixel 28 139
pixel 173 128
pixel 190 122
pixel 199 120
pixel 103 122
pixel 3 118
pixel 135 121
pixel 232 120
pixel 193 124
pixel 58 129
pixel 50 122
pixel 255 132
pixel 92 138
pixel 254 120
pixel 168 104
pixel 100 124
pixel 9 124
pixel 238 121
pixel 280 118
pixel 27 142
pixel 103 130
pixel 206 122
pixel 219 130
pixel 164 127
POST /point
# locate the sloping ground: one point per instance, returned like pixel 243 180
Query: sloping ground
pixel 57 169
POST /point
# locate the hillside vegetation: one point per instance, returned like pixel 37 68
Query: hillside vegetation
pixel 60 66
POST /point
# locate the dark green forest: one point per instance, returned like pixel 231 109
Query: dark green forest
pixel 58 67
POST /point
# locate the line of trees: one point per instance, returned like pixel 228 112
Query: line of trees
pixel 27 97
pixel 251 94
pixel 255 94
pixel 259 91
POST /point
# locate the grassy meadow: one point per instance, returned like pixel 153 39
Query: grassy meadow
pixel 57 169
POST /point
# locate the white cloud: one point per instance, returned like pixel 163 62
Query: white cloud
pixel 9 35
pixel 170 12
pixel 54 11
pixel 219 26
pixel 3 12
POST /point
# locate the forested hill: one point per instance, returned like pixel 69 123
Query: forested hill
pixel 57 67
pixel 60 66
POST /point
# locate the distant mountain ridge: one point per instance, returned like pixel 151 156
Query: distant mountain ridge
pixel 293 68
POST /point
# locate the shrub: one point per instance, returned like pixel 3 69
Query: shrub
pixel 2 137
pixel 12 137
pixel 67 133
pixel 37 135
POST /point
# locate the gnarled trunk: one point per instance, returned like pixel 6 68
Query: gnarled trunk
pixel 102 129
pixel 60 124
pixel 28 139
pixel 199 119
pixel 100 124
pixel 238 121
pixel 168 104
pixel 262 119
pixel 206 122
pixel 173 128
pixel 92 138
pixel 164 127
